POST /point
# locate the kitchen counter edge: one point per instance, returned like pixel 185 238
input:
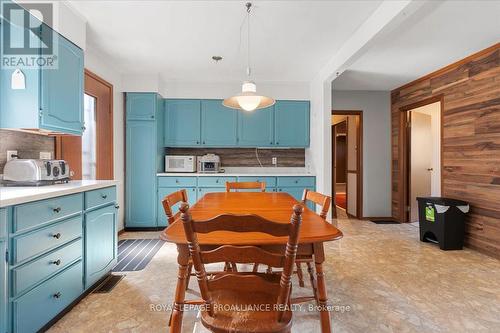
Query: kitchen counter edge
pixel 232 174
pixel 10 195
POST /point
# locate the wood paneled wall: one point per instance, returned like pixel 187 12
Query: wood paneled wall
pixel 245 157
pixel 470 94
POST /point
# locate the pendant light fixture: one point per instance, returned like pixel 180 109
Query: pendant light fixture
pixel 248 99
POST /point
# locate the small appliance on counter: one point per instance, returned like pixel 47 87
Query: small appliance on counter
pixel 209 163
pixel 32 172
pixel 178 163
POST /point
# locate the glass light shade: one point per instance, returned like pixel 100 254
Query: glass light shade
pixel 248 100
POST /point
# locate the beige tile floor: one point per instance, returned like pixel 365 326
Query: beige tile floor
pixel 390 281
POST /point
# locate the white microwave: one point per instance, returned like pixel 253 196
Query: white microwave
pixel 178 163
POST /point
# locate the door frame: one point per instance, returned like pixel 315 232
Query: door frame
pixel 359 164
pixel 404 178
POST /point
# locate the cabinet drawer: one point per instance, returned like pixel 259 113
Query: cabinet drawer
pixel 100 197
pixel 296 181
pixel 176 181
pixel 50 237
pixel 214 181
pixel 25 276
pixel 40 305
pixel 36 213
pixel 270 181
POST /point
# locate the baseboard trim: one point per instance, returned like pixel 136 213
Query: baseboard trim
pixel 378 218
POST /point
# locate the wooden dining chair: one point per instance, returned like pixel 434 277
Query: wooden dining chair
pixel 324 202
pixel 246 186
pixel 244 301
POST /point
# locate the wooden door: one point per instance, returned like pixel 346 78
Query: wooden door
pixel 69 148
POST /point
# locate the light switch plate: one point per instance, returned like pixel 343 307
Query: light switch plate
pixel 45 155
pixel 10 153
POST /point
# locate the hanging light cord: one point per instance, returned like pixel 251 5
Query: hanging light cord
pixel 249 6
pixel 257 155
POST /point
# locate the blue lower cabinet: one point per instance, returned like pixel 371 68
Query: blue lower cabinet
pixel 100 243
pixel 34 309
pixel 270 182
pixel 163 191
pixel 3 271
pixel 204 190
pixel 297 193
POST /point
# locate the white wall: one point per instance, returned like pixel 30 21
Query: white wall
pixel 99 65
pixel 376 146
pixel 276 90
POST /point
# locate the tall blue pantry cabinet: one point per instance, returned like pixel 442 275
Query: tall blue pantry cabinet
pixel 144 157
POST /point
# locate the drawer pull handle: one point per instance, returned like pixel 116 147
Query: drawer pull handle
pixel 56 262
pixel 104 196
pixel 57 209
pixel 57 236
pixel 57 295
pixel 296 182
pixel 217 181
pixel 117 206
pixel 177 181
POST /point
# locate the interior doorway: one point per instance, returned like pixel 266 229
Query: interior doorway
pixel 90 156
pixel 347 168
pixel 424 155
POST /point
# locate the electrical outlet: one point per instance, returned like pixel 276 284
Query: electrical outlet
pixel 10 153
pixel 275 161
pixel 45 155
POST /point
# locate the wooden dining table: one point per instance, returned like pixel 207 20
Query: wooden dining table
pixel 270 205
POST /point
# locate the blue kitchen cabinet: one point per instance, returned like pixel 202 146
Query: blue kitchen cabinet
pixel 256 128
pixel 270 182
pixel 291 124
pixel 182 123
pixel 141 106
pixel 219 124
pixel 62 88
pixel 163 191
pixel 53 97
pixel 100 243
pixel 141 169
pixel 3 271
pixel 297 193
pixel 295 186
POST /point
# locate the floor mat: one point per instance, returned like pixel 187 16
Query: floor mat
pixel 135 254
pixel 340 200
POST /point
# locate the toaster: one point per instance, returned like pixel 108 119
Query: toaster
pixel 35 172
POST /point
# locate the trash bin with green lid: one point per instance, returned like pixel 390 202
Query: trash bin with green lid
pixel 442 220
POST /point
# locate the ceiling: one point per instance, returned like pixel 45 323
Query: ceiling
pixel 439 34
pixel 290 40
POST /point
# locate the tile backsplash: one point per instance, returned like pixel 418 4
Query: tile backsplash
pixel 28 145
pixel 247 157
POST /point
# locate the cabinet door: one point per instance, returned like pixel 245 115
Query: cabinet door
pixel 182 123
pixel 140 176
pixel 255 129
pixel 297 193
pixel 3 270
pixel 3 285
pixel 141 106
pixel 219 124
pixel 100 243
pixel 163 191
pixel 291 123
pixel 204 190
pixel 62 88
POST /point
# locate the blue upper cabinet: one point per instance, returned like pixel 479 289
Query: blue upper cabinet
pixel 62 88
pixel 141 106
pixel 53 96
pixel 182 123
pixel 219 124
pixel 291 124
pixel 256 128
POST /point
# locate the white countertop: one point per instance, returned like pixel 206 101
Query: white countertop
pixel 14 195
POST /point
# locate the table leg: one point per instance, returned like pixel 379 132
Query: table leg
pixel 180 291
pixel 319 258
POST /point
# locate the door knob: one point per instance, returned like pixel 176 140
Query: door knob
pixel 430 169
